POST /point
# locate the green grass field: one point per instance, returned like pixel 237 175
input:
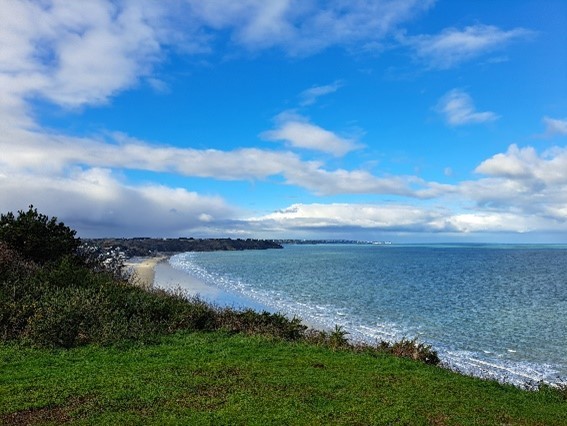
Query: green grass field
pixel 220 379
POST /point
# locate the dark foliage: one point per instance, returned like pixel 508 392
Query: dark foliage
pixel 37 237
pixel 150 246
pixel 412 349
pixel 264 323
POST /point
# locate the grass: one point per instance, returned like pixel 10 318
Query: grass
pixel 220 378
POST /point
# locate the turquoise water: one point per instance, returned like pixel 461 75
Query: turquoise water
pixel 490 311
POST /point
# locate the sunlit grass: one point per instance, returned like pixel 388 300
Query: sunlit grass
pixel 219 378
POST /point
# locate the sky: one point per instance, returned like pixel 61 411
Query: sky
pixel 398 120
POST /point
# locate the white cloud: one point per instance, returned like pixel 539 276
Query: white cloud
pixel 555 127
pixel 340 181
pixel 383 217
pixel 499 222
pixel 54 154
pixel 298 132
pixel 453 47
pixel 369 220
pixel 523 191
pixel 524 183
pixel 76 53
pixel 458 109
pixel 159 86
pixel 525 163
pixel 516 163
pixel 311 95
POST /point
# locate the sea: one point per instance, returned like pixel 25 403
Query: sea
pixel 492 311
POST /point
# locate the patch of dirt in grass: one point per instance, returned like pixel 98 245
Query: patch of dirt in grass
pixel 56 414
pixel 438 420
pixel 205 397
pixel 214 391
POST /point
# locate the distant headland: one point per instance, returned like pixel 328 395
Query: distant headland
pixel 145 246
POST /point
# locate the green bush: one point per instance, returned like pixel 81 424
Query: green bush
pixel 412 349
pixel 36 237
pixel 16 304
pixel 265 323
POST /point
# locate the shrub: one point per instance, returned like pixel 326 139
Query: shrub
pixel 265 323
pixel 335 339
pixel 36 237
pixel 15 304
pixel 412 349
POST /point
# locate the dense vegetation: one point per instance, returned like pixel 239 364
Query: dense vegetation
pixel 36 237
pixel 78 343
pixel 150 246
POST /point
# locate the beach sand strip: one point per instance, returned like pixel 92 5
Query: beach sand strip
pixel 143 272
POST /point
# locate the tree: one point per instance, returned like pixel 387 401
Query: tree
pixel 37 237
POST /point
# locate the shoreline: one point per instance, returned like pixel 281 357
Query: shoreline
pixel 169 278
pixel 157 272
pixel 142 273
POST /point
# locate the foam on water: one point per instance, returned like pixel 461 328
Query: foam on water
pixel 506 365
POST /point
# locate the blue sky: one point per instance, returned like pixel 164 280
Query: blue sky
pixel 406 120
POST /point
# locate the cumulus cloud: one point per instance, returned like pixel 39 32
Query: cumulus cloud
pixel 457 107
pixel 525 163
pixel 519 191
pixel 496 222
pixel 515 163
pixel 298 132
pixel 523 182
pixel 335 215
pixel 395 219
pixel 340 181
pixel 453 46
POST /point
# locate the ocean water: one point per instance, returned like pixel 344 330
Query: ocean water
pixel 490 311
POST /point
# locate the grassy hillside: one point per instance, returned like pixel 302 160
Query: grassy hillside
pixel 217 378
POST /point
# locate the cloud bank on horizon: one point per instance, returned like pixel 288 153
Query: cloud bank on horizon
pixel 402 120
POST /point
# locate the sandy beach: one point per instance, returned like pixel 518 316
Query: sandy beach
pixel 143 271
